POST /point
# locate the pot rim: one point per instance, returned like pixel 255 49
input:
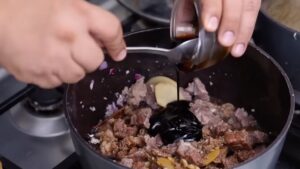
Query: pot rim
pixel 146 16
pixel 282 133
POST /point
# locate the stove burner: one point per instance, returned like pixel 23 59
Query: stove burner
pixel 31 123
pixel 42 100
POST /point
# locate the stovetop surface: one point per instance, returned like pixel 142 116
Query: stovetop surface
pixel 23 151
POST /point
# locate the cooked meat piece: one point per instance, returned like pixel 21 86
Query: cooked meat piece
pixel 133 150
pixel 198 90
pixel 206 132
pixel 137 92
pixel 230 162
pixel 104 126
pixel 234 123
pixel 217 127
pixel 121 154
pixel 170 148
pixel 150 97
pixel 210 144
pixel 153 142
pixel 190 153
pixel 124 146
pixel 245 119
pixel 127 162
pixel 121 130
pixel 164 151
pixel 212 167
pixel 245 154
pixel 106 135
pixel 186 95
pixel 141 117
pixel 128 110
pixel 238 139
pixel 258 137
pixel 220 128
pixel 142 132
pixel 204 111
pixel 154 166
pixel 228 110
pixel 139 154
pixel 109 148
pixel 140 165
pixel 131 141
pixel 158 152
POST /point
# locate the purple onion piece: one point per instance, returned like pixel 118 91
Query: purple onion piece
pixel 103 65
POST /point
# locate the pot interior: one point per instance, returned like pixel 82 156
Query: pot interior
pixel 252 81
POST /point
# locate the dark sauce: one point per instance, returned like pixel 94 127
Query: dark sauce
pixel 178 82
pixel 176 122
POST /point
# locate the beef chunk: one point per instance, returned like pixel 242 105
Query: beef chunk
pixel 186 95
pixel 215 128
pixel 230 162
pixel 258 137
pixel 206 131
pixel 187 151
pixel 109 148
pixel 121 130
pixel 228 110
pixel 127 162
pixel 137 92
pixel 238 139
pixel 234 123
pixel 131 141
pixel 138 154
pixel 141 118
pixel 198 90
pixel 204 111
pixel 245 154
pixel 106 135
pixel 164 151
pixel 150 97
pixel 140 165
pixel 153 142
pixel 245 119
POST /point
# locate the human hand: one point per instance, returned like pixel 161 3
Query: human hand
pixel 50 42
pixel 234 20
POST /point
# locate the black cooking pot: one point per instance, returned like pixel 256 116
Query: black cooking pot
pixel 282 43
pixel 254 81
pixel 155 11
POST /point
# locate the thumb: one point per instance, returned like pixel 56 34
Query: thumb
pixel 106 29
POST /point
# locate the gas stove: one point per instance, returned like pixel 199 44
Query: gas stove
pixel 35 135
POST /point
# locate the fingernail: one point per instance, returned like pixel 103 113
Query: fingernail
pixel 239 50
pixel 228 38
pixel 213 23
pixel 122 55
